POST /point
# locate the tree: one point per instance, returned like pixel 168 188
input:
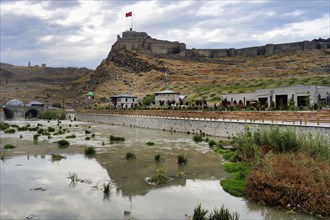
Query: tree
pixel 291 103
pixel 148 100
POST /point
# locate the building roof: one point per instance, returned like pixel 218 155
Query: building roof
pixel 15 102
pixel 166 92
pixel 34 103
pixel 123 96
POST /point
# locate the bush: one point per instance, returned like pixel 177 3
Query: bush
pixel 130 156
pixel 90 151
pixel 9 146
pixel 10 131
pixel 71 136
pixel 291 179
pixel 87 132
pixel 221 214
pixel 116 139
pixel 4 126
pixel 198 138
pixel 57 105
pixel 150 143
pixel 157 157
pixel 50 129
pixel 212 143
pixel 35 137
pixel 182 159
pixel 63 143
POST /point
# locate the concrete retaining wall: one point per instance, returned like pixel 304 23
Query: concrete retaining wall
pixel 209 127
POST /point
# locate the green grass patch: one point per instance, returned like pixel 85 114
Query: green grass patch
pixel 9 146
pixel 236 183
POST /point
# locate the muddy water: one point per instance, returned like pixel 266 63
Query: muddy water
pixel 32 185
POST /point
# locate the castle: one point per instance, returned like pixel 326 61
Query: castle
pixel 141 41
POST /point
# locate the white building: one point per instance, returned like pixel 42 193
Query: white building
pixel 123 101
pixel 165 96
pixel 281 96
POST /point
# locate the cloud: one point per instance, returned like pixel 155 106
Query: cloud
pixel 81 32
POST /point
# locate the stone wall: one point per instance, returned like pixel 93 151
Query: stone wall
pixel 209 127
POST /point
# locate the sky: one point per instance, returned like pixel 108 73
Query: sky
pixel 80 33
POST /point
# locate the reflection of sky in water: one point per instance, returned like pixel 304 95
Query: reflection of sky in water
pixel 62 201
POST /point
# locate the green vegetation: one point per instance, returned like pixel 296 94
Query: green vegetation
pixel 48 115
pixel 93 135
pixel 235 184
pixel 212 143
pixel 114 139
pixel 150 143
pixel 87 132
pixel 159 177
pixel 148 99
pixel 71 136
pixel 279 160
pixel 198 138
pixel 87 138
pixel 221 214
pixel 57 105
pixel 10 131
pixel 130 156
pixel 157 157
pixel 9 146
pixel 90 151
pixel 182 159
pixel 36 137
pixel 4 126
pixel 63 143
pixel 57 157
pixel 74 178
pixel 50 129
pixel 106 191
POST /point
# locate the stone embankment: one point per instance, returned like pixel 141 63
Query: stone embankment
pixel 222 127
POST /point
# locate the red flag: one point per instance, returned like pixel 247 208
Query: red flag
pixel 129 14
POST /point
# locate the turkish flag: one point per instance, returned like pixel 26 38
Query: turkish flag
pixel 129 14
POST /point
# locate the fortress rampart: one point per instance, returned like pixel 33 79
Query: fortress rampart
pixel 141 41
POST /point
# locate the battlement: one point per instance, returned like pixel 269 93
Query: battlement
pixel 132 40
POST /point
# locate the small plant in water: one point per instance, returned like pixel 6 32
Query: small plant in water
pixel 106 191
pixel 63 143
pixel 71 136
pixel 57 157
pixel 93 135
pixel 10 131
pixel 74 178
pixel 35 137
pixel 89 151
pixel 87 132
pixel 130 156
pixel 222 213
pixel 212 143
pixel 182 159
pixel 116 139
pixel 159 177
pixel 198 138
pixel 21 136
pixel 87 138
pixel 157 157
pixel 150 143
pixel 9 146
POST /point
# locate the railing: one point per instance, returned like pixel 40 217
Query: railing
pixel 271 117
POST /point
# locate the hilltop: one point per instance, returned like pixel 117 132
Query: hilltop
pixel 140 65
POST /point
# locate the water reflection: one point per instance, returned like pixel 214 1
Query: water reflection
pixel 107 185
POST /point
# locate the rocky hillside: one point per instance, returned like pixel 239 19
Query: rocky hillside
pixel 139 73
pixel 44 84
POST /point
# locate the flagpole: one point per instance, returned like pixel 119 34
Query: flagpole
pixel 132 22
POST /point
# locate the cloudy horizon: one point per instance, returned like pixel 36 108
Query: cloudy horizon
pixel 80 33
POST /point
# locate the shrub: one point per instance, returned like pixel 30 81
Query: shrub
pixel 197 138
pixel 221 214
pixel 10 131
pixel 130 156
pixel 157 157
pixel 50 129
pixel 212 143
pixel 87 138
pixel 87 132
pixel 71 136
pixel 24 128
pixel 63 143
pixel 291 178
pixel 182 159
pixel 116 139
pixel 4 126
pixel 35 137
pixel 57 105
pixel 89 151
pixel 150 143
pixel 9 146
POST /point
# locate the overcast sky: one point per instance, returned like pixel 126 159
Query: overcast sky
pixel 79 33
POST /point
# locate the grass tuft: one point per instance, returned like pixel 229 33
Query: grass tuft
pixel 182 159
pixel 130 156
pixel 9 146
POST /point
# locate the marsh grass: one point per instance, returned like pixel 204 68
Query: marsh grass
pixel 159 177
pixel 106 191
pixel 130 156
pixel 57 157
pixel 217 214
pixel 87 132
pixel 73 178
pixel 157 157
pixel 63 144
pixel 149 143
pixel 90 151
pixel 182 159
pixel 36 137
pixel 4 126
pixel 114 139
pixel 87 138
pixel 10 131
pixel 198 138
pixel 50 129
pixel 9 146
pixel 71 136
